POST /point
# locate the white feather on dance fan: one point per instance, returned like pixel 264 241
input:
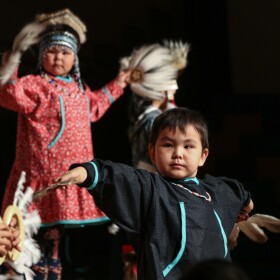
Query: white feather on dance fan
pixel 179 52
pixel 139 54
pixel 156 58
pixel 30 253
pixel 154 68
pixel 140 90
pixel 254 228
pixel 28 36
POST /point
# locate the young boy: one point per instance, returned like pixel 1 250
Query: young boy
pixel 178 218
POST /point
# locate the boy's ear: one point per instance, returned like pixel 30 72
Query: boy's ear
pixel 152 152
pixel 204 156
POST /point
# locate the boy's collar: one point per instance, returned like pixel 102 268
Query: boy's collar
pixel 185 180
pixel 194 179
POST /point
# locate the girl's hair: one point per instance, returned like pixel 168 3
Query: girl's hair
pixel 179 118
pixel 137 106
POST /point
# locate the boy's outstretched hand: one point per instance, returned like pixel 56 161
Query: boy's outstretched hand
pixel 75 176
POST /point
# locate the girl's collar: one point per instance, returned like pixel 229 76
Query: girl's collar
pixel 67 79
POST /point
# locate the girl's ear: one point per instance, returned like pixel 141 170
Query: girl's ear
pixel 152 152
pixel 204 156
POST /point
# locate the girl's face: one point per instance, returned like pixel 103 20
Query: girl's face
pixel 178 155
pixel 58 61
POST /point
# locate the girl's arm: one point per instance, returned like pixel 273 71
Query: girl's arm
pixel 102 99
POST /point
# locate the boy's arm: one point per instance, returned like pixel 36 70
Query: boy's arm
pixel 123 193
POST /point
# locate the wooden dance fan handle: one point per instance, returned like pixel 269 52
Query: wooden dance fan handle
pixel 13 211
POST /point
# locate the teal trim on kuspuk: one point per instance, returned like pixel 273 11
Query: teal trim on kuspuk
pixel 223 233
pixel 79 223
pixel 183 241
pixel 62 123
pixel 108 94
pixel 192 179
pixel 95 176
pixel 67 79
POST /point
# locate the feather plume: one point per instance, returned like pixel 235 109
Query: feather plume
pixel 151 71
pixel 28 36
pixel 151 58
pixel 253 231
pixel 144 92
pixel 253 228
pixel 30 250
pixel 154 68
pixel 266 221
pixel 179 52
pixel 124 63
pixel 139 54
pixel 25 201
pixel 31 222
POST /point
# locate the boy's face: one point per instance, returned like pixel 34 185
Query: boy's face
pixel 178 155
pixel 58 61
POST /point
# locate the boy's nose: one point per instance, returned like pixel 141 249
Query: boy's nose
pixel 177 153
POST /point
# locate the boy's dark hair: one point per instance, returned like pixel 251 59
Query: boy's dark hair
pixel 178 118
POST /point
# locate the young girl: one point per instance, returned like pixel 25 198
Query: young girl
pixel 154 71
pixel 52 107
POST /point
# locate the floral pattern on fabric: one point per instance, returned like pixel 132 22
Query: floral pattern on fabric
pixel 54 131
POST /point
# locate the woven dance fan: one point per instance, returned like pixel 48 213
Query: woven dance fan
pixel 28 36
pixel 154 68
pixel 27 224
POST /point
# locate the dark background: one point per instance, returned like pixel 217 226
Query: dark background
pixel 232 78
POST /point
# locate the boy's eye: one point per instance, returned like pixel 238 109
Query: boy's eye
pixel 188 146
pixel 167 145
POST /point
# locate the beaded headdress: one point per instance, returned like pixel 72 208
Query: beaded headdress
pixel 69 37
pixel 47 29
